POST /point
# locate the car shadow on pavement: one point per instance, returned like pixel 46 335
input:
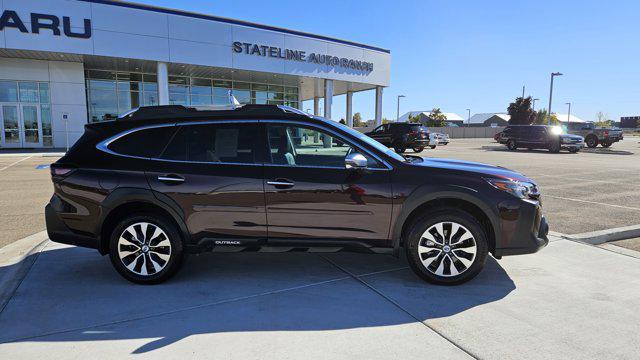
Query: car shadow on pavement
pixel 543 151
pixel 74 295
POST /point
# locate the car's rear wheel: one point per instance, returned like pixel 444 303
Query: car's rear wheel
pixel 605 144
pixel 418 149
pixel 146 249
pixel 446 247
pixel 511 145
pixel 592 141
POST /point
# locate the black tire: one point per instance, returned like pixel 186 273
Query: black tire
pixel 400 147
pixel 446 215
pixel 592 141
pixel 418 149
pixel 432 147
pixel 148 259
pixel 511 145
pixel 573 150
pixel 554 146
pixel 605 144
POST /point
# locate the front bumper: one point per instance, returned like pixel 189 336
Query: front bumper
pixel 524 230
pixel 569 146
pixel 60 233
pixel 418 143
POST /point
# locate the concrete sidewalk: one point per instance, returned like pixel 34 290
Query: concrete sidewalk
pixel 571 300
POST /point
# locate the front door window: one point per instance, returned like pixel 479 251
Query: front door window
pixel 31 126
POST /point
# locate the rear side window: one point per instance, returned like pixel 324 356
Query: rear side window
pixel 418 128
pixel 224 143
pixel 146 143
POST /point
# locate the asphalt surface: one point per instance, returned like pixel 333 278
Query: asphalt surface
pixel 24 192
pixel 588 191
pixel 570 300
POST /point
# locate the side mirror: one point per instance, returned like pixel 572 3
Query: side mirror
pixel 355 161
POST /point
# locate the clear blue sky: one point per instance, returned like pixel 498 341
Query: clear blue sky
pixel 474 54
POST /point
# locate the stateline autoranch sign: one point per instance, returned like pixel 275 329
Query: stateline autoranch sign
pixel 299 55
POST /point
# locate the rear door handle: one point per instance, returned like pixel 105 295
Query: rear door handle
pixel 171 179
pixel 281 183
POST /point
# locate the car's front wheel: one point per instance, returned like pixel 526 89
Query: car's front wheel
pixel 418 149
pixel 146 249
pixel 446 247
pixel 592 141
pixel 511 145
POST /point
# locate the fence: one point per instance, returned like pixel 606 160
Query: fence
pixel 457 132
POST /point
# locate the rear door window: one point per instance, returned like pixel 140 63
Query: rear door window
pixel 146 143
pixel 214 143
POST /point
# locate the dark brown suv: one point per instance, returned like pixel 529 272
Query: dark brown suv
pixel 164 181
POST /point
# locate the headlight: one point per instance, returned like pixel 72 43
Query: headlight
pixel 519 189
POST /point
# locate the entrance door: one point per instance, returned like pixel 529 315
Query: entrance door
pixel 21 125
pixel 10 126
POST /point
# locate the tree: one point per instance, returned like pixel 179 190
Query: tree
pixel 386 121
pixel 602 121
pixel 437 118
pixel 540 117
pixel 414 118
pixel 521 112
pixel 357 120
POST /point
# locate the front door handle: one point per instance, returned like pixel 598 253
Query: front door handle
pixel 171 179
pixel 281 183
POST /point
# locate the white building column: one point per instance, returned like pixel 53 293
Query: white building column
pixel 349 109
pixel 378 105
pixel 328 98
pixel 328 101
pixel 163 84
pixel 316 106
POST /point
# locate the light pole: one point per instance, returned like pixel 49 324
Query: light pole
pixel 551 95
pixel 534 104
pixel 464 128
pixel 569 113
pixel 398 109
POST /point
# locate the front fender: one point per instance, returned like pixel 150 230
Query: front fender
pixel 431 192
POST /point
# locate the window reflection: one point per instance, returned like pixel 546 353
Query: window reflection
pixel 110 93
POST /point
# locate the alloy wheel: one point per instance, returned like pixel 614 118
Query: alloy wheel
pixel 144 248
pixel 447 249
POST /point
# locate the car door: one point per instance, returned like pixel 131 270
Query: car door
pixel 382 134
pixel 311 197
pixel 214 172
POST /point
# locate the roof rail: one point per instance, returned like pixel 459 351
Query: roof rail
pixel 178 111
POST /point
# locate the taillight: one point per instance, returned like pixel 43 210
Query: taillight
pixel 606 133
pixel 60 170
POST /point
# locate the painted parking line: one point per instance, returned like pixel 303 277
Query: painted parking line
pixel 14 163
pixel 593 202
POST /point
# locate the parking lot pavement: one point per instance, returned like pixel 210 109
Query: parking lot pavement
pixel 24 191
pixel 571 300
pixel 596 189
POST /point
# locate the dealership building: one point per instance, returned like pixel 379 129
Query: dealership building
pixel 64 63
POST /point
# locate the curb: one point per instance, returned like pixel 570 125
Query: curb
pixel 604 236
pixel 15 261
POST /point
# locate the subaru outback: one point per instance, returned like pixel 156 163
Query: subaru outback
pixel 162 182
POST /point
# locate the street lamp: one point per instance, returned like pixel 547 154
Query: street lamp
pixel 551 95
pixel 464 128
pixel 568 113
pixel 398 109
pixel 534 104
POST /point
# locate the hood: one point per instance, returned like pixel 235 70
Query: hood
pixel 475 167
pixel 571 136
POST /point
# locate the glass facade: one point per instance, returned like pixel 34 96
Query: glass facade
pixel 110 93
pixel 29 96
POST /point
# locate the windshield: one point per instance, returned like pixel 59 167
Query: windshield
pixel 367 139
